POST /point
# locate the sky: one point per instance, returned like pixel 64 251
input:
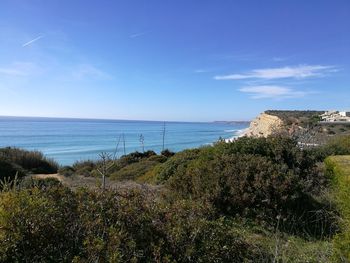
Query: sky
pixel 180 60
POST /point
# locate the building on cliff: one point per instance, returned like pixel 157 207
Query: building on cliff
pixel 336 116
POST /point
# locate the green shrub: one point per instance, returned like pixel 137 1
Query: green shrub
pixel 134 170
pixel 192 235
pixel 339 145
pixel 134 157
pixel 38 226
pixel 31 161
pixel 179 161
pixel 58 225
pixel 84 167
pixel 270 180
pixel 250 186
pixel 40 183
pixel 157 158
pixel 167 153
pixel 66 170
pixel 8 171
pixel 279 149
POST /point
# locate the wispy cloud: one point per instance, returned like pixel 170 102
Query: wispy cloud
pixel 20 69
pixel 202 70
pixel 32 41
pixel 296 72
pixel 274 92
pixel 88 71
pixel 279 59
pixel 138 34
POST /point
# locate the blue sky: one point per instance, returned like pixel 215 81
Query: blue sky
pixel 172 60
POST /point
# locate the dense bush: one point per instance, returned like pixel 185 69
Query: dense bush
pixel 16 162
pixel 269 180
pixel 30 161
pixel 281 151
pixel 135 170
pixel 38 226
pixel 135 165
pixel 130 166
pixel 180 160
pixel 58 225
pixel 278 149
pixel 134 157
pixel 167 153
pixel 66 170
pixel 8 171
pixel 84 167
pixel 42 183
pixel 339 145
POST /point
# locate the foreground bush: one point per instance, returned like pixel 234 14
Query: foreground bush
pixel 58 225
pixel 38 226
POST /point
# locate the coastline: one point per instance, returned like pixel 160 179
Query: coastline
pixel 239 133
pixel 75 140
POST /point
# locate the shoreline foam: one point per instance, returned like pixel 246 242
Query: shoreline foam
pixel 239 133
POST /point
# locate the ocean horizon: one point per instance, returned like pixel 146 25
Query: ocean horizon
pixel 67 140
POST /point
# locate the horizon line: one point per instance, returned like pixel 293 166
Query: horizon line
pixel 110 119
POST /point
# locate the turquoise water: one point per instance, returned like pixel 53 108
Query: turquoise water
pixel 70 140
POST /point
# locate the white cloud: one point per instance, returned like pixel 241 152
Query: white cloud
pixel 20 69
pixel 296 72
pixel 276 92
pixel 32 41
pixel 202 70
pixel 278 59
pixel 87 71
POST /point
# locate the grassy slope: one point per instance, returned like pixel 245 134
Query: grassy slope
pixel 339 168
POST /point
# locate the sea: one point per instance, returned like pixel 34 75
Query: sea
pixel 70 140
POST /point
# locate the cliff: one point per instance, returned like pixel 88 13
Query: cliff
pixel 264 125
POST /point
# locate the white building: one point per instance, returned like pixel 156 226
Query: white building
pixel 336 116
pixel 344 113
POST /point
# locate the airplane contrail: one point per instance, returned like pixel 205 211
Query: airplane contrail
pixel 32 41
pixel 138 34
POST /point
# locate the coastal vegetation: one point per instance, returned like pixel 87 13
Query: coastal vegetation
pixel 302 118
pixel 249 200
pixel 14 161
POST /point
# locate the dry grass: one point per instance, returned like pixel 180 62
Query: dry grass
pixel 339 167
